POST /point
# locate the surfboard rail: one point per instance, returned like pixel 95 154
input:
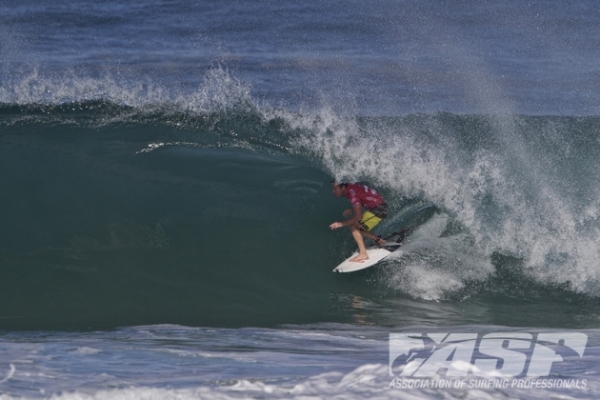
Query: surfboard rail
pixel 375 253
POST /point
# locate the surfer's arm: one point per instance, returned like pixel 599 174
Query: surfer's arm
pixel 357 210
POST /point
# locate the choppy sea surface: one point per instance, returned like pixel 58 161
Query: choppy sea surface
pixel 165 199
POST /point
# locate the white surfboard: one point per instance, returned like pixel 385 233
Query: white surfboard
pixel 376 254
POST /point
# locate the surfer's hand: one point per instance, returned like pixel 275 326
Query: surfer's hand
pixel 335 225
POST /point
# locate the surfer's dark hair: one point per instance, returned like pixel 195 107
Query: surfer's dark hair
pixel 342 184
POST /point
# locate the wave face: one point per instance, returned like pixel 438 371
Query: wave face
pixel 147 205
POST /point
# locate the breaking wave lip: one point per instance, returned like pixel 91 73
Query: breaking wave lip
pixel 218 90
pixel 221 106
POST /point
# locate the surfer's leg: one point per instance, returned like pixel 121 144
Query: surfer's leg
pixel 367 223
pixel 373 237
pixel 362 249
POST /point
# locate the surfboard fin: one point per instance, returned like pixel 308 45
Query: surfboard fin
pixel 400 236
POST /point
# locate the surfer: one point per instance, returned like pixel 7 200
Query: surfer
pixel 361 223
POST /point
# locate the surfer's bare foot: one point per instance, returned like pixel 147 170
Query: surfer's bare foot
pixel 380 242
pixel 359 258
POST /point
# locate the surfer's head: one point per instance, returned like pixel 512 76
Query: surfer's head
pixel 338 189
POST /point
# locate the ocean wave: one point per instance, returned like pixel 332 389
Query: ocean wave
pixel 515 191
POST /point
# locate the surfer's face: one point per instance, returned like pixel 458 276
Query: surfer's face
pixel 337 190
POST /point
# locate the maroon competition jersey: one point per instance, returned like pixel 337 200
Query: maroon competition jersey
pixel 363 195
